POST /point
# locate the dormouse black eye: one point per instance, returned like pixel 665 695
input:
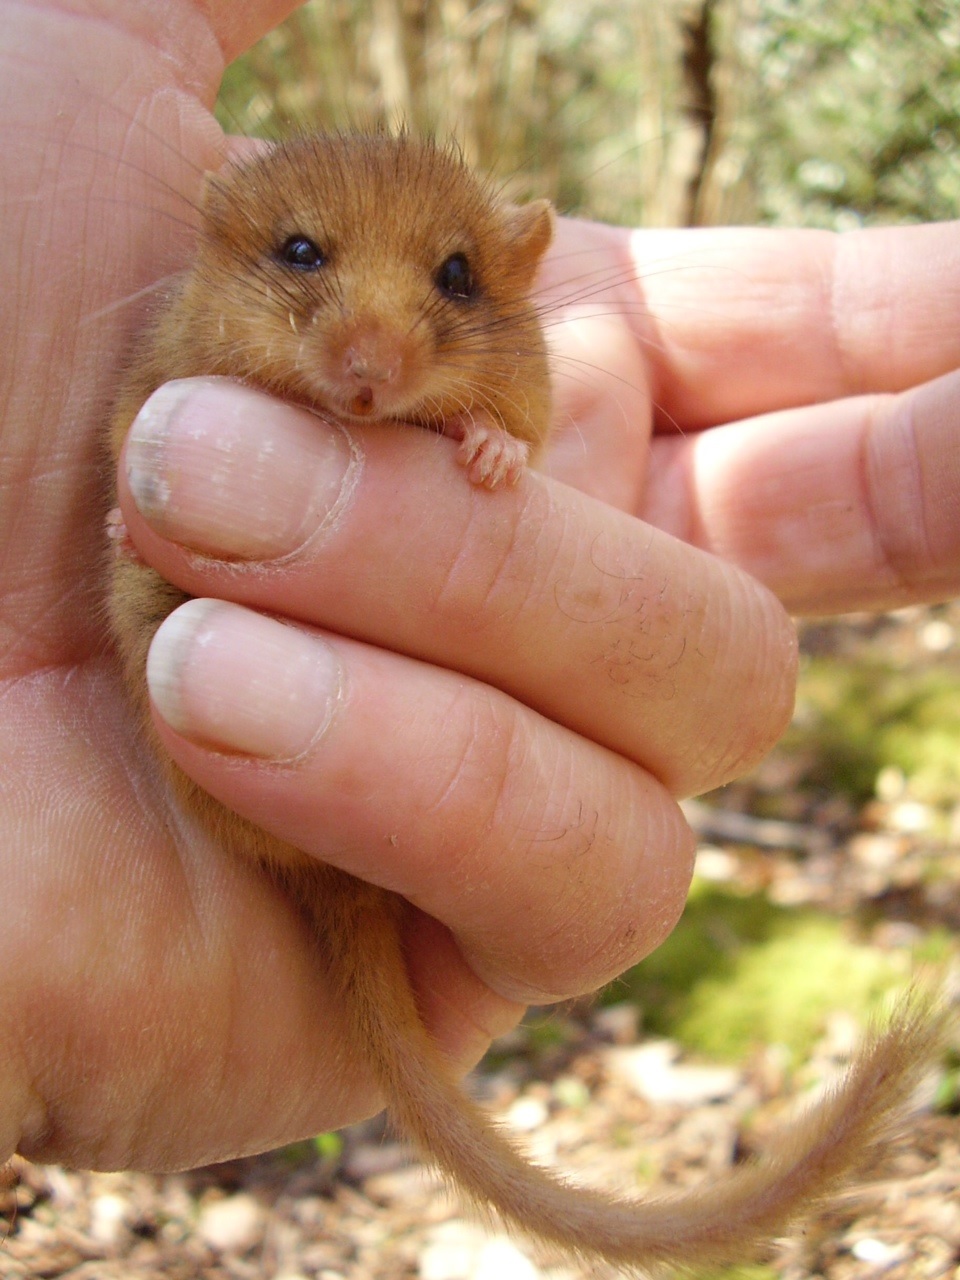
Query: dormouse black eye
pixel 455 278
pixel 300 253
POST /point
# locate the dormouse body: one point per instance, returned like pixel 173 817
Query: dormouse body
pixel 377 279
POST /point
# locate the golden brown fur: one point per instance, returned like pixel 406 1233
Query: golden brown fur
pixel 388 212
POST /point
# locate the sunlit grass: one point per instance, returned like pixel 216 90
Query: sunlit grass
pixel 739 972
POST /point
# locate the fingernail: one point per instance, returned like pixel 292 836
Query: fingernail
pixel 230 679
pixel 228 471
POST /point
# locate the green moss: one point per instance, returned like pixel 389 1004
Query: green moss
pixel 295 1155
pixel 855 718
pixel 328 1146
pixel 935 948
pixel 737 1273
pixel 782 991
pixel 545 1031
pixel 947 1098
pixel 646 1170
pixel 739 971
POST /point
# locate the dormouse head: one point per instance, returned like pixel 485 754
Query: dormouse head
pixel 379 274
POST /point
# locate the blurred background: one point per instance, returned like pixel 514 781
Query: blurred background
pixel 671 113
pixel 829 876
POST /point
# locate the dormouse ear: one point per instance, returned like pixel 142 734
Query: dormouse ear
pixel 529 230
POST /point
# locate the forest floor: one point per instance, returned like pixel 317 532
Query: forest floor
pixel 601 1091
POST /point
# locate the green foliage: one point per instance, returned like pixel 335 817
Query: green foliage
pixel 935 950
pixel 738 1273
pixel 738 972
pixel 855 718
pixel 858 111
pixel 328 1146
pixel 947 1099
pixel 544 1031
pixel 791 111
pixel 296 1155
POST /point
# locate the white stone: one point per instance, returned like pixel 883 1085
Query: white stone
pixel 461 1250
pixel 107 1214
pixel 715 864
pixel 452 1251
pixel 877 851
pixel 235 1224
pixel 937 635
pixel 526 1114
pixel 874 1251
pixel 500 1259
pixel 911 817
pixel 652 1072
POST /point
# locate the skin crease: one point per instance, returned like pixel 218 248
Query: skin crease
pixel 235 1007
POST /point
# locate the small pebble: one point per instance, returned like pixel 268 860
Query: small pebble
pixel 107 1214
pixel 451 1251
pixel 651 1071
pixel 911 817
pixel 526 1114
pixel 460 1250
pixel 875 1251
pixel 234 1224
pixel 500 1259
pixel 370 1159
pixel 618 1022
pixel 716 865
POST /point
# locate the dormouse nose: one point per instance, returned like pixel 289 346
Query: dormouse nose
pixel 372 355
